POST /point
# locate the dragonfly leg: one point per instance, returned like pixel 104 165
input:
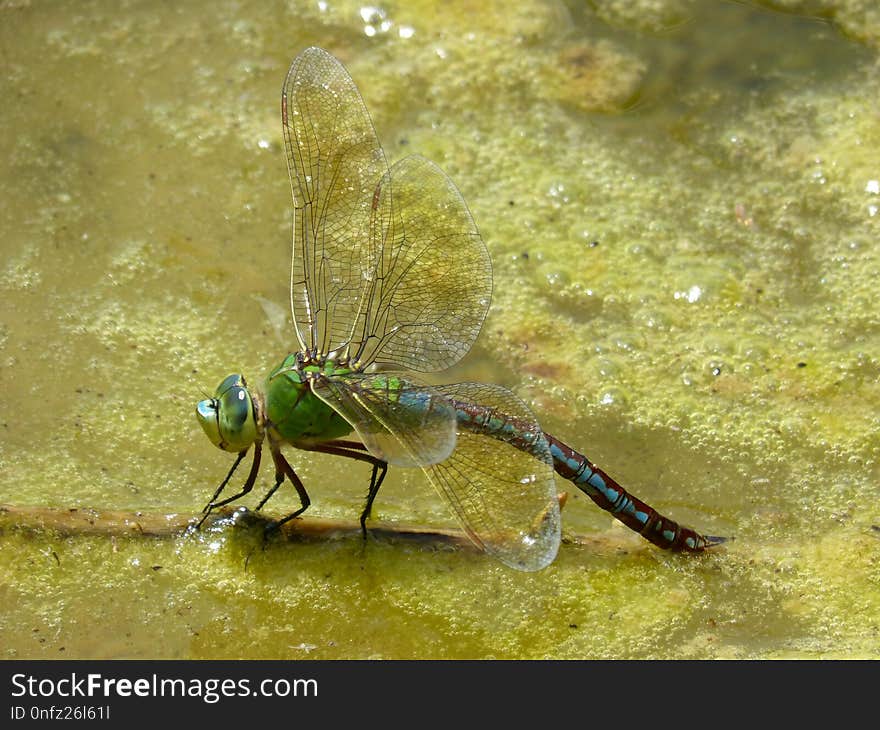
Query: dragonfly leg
pixel 283 469
pixel 248 485
pixel 374 490
pixel 357 451
pixel 279 479
pixel 223 484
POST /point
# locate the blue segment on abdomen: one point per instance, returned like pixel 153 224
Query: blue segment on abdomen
pixel 616 501
pixel 487 421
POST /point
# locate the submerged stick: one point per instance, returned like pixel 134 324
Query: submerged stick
pixel 87 521
pixel 119 523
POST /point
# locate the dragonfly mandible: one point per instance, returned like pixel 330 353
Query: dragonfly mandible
pixel 389 278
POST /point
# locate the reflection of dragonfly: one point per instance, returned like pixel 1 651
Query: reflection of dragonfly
pixel 389 273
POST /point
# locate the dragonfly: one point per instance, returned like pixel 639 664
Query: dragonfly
pixel 390 279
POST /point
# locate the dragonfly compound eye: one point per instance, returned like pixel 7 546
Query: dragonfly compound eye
pixel 228 417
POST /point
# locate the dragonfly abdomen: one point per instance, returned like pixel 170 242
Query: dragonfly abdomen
pixel 585 475
pixel 630 510
pixel 492 422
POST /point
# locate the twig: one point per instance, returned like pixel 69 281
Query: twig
pixel 118 523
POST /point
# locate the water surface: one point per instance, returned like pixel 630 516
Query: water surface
pixel 680 200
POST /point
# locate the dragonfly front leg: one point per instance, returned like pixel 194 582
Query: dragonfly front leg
pixel 247 487
pixel 283 469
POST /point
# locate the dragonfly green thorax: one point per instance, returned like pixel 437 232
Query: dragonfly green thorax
pixel 293 414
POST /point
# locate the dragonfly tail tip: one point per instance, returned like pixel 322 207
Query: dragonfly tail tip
pixel 713 540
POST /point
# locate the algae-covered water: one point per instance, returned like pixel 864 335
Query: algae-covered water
pixel 682 204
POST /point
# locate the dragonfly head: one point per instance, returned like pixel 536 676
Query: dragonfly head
pixel 228 418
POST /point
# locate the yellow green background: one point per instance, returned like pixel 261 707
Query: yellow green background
pixel 682 204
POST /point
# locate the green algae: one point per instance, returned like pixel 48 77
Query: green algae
pixel 681 203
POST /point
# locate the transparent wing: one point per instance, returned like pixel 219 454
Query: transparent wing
pixel 432 286
pixel 335 164
pixel 399 421
pixel 499 480
pixel 499 477
pixel 388 265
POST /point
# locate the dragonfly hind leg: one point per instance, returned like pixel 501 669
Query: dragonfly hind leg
pixel 374 490
pixel 357 451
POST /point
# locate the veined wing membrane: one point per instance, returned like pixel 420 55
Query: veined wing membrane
pixel 398 420
pixel 433 279
pixel 335 164
pixel 388 265
pixel 504 494
pixel 500 486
